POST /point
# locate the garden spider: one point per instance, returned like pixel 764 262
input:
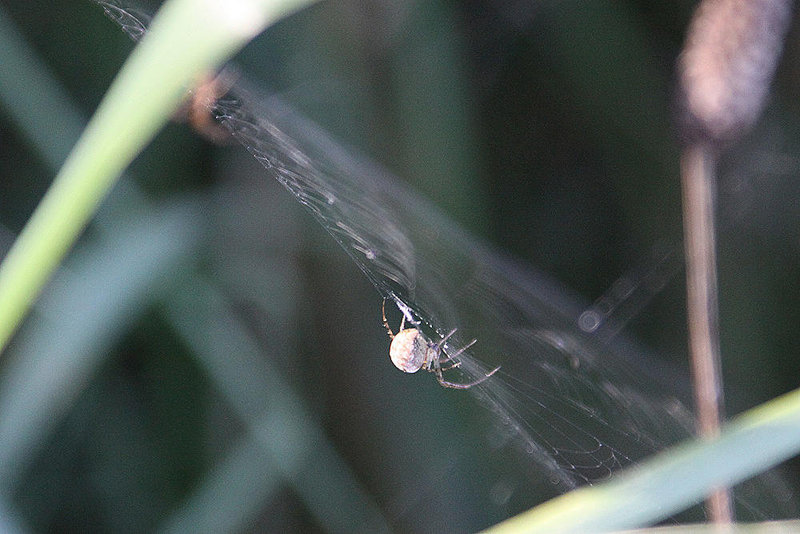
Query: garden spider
pixel 411 350
pixel 197 110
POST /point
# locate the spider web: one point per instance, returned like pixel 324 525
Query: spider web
pixel 579 406
pixel 573 404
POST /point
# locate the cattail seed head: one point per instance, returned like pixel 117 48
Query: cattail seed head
pixel 729 58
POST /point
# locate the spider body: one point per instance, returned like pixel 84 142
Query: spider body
pixel 411 350
pixel 197 109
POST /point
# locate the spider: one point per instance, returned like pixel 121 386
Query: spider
pixel 197 109
pixel 411 350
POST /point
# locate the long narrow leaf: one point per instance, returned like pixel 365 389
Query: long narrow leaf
pixel 671 481
pixel 197 36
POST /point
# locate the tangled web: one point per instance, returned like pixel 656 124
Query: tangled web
pixel 574 403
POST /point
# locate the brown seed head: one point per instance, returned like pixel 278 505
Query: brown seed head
pixel 730 55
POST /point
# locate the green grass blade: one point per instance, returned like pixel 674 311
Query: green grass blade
pixel 32 111
pixel 767 527
pixel 754 442
pixel 187 38
pixel 255 388
pixel 101 291
pixel 232 492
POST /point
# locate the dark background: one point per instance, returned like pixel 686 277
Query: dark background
pixel 544 128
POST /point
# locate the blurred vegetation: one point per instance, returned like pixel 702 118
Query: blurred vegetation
pixel 543 128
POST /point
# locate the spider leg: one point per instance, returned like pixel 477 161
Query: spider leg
pixel 454 385
pixel 468 385
pixel 437 360
pixel 437 370
pixel 385 322
pixel 462 349
pixel 435 364
pixel 452 365
pixel 452 357
pixel 445 338
pixel 440 346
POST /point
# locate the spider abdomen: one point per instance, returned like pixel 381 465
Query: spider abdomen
pixel 409 350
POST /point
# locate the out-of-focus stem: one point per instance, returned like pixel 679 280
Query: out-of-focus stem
pixel 731 51
pixel 697 176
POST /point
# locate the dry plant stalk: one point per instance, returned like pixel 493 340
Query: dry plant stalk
pixel 729 58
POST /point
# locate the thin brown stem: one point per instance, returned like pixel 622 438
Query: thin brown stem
pixel 697 170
